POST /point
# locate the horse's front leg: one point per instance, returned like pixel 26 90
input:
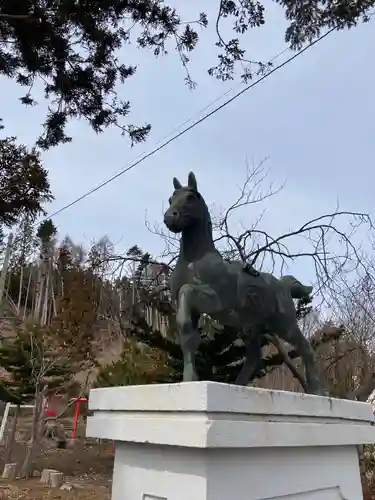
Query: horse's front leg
pixel 192 301
pixel 187 321
pixel 253 356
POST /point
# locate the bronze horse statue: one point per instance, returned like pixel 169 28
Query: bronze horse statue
pixel 232 293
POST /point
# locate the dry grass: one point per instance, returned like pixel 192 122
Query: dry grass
pixel 33 490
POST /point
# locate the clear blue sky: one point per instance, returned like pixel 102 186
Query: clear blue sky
pixel 314 118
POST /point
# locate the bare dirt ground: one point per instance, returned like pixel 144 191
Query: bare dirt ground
pixel 86 465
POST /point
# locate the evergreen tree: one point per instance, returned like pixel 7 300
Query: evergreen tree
pixel 77 305
pixel 76 299
pixel 30 362
pixel 24 185
pixel 137 364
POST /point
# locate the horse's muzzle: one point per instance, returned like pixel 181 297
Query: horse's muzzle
pixel 173 222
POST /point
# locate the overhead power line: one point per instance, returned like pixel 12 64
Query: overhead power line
pixel 177 135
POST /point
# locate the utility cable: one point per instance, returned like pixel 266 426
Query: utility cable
pixel 182 132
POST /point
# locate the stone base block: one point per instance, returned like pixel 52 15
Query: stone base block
pixel 211 441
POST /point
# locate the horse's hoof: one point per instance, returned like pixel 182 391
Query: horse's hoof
pixel 318 391
pixel 241 382
pixel 323 392
pixel 190 375
pixel 190 379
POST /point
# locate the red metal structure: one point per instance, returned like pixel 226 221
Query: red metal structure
pixel 78 402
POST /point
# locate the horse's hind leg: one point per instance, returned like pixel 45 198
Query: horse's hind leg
pixel 295 337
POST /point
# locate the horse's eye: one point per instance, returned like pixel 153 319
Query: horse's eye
pixel 170 201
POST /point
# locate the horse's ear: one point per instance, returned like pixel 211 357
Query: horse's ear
pixel 176 183
pixel 192 182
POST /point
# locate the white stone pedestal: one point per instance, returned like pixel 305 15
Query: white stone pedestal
pixel 210 441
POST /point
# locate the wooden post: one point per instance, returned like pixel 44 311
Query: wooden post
pixel 12 435
pixel 56 479
pixel 46 473
pixel 10 471
pixel 4 421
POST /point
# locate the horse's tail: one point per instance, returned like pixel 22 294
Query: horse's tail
pixel 296 288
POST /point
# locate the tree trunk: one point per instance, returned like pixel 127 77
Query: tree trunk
pixel 100 302
pixel 53 298
pixel 44 312
pixel 32 446
pixel 41 282
pixel 20 290
pixel 39 298
pixel 27 294
pixel 38 292
pixel 4 270
pixel 11 438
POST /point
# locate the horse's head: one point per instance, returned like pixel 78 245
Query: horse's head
pixel 187 207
